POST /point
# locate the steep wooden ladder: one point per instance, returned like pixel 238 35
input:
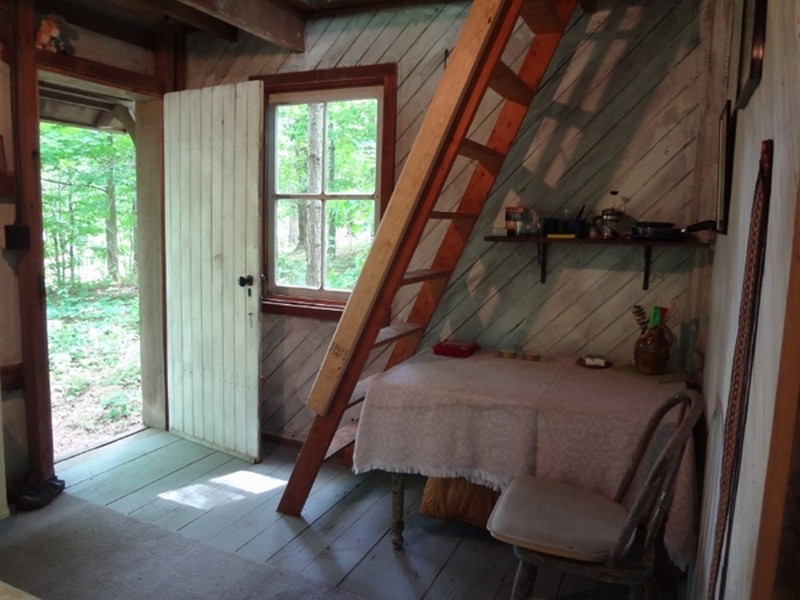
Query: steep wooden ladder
pixel 474 66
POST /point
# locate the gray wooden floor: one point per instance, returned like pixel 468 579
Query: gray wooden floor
pixel 342 537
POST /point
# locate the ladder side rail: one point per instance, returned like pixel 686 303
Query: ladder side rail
pixel 324 426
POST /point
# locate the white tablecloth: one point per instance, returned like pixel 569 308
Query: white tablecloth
pixel 487 419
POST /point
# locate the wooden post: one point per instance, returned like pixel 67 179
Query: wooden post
pixel 150 252
pixel 33 314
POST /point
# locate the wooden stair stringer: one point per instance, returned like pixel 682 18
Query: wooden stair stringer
pixel 442 138
pixel 480 185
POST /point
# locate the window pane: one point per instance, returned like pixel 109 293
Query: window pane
pixel 350 227
pixel 299 141
pixel 298 243
pixel 352 130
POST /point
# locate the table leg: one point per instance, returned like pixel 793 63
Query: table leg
pixel 398 500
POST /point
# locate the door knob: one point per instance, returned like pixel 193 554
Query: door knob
pixel 245 280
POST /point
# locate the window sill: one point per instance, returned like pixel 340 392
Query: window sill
pixel 294 306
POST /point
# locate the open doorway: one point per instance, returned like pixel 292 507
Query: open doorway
pixel 89 213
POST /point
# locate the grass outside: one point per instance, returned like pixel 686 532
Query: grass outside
pixel 95 372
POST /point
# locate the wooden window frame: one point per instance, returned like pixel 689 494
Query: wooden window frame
pixel 383 75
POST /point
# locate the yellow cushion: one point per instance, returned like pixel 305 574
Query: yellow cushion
pixel 558 519
pixel 457 499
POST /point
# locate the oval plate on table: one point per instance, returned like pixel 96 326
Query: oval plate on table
pixel 580 362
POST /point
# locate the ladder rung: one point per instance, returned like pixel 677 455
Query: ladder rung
pixel 423 275
pixel 509 85
pixel 394 332
pixel 542 16
pixel 489 158
pixel 344 436
pixel 452 216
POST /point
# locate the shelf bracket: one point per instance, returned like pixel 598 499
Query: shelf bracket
pixel 541 257
pixel 648 253
pixel 647 245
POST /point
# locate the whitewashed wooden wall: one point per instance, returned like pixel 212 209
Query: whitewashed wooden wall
pixel 774 105
pixel 619 110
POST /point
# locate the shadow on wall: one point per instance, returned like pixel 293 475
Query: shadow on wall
pixel 618 109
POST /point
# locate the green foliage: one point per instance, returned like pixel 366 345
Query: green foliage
pixel 291 149
pixel 93 335
pixel 352 135
pixel 116 407
pixel 323 150
pixel 88 189
pixel 343 271
pixel 89 212
pixel 291 268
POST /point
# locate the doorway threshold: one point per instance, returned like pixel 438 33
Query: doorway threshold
pixel 107 442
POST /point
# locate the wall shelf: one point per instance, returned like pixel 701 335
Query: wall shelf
pixel 542 244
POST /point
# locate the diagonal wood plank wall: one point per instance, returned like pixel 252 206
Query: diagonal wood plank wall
pixel 619 110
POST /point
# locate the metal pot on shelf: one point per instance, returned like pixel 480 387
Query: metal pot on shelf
pixel 612 223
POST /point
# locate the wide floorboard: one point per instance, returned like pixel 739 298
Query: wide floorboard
pixel 342 538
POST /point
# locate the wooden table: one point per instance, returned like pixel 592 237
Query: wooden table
pixel 487 419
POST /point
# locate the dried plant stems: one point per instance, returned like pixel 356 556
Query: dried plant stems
pixel 641 317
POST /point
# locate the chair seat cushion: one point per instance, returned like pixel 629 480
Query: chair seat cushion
pixel 558 519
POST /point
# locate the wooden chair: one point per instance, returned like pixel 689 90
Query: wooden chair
pixel 577 531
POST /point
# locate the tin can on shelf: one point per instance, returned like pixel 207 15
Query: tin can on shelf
pixel 516 216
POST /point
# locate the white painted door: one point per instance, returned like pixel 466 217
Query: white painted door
pixel 213 151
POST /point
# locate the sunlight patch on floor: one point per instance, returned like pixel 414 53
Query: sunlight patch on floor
pixel 247 481
pixel 223 490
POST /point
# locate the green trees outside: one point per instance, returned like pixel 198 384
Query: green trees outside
pixel 89 212
pixel 325 183
pixel 89 200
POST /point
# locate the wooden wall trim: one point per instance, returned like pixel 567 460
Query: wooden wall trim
pixel 33 314
pixel 89 70
pixel 170 56
pixel 784 432
pixel 332 78
pixel 150 243
pixel 11 378
pixel 383 75
pixel 303 307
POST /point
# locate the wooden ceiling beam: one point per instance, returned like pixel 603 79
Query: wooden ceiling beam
pixel 108 23
pixel 274 22
pixel 179 11
pixel 327 8
pixel 112 18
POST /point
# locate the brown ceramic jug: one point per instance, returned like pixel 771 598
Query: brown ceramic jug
pixel 651 353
